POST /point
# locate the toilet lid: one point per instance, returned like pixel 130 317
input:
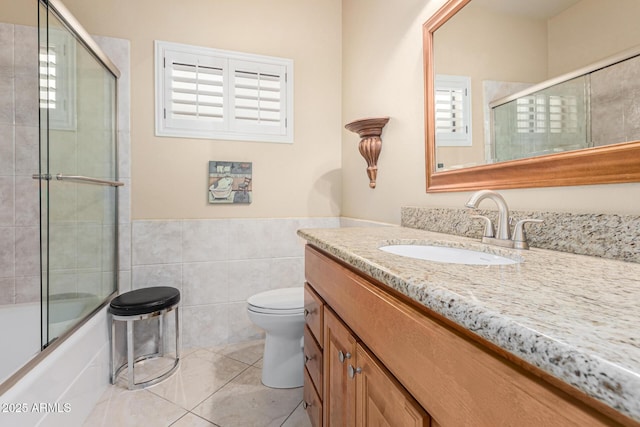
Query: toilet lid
pixel 279 299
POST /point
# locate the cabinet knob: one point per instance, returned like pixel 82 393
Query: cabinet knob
pixel 351 371
pixel 342 356
pixel 307 358
pixel 306 312
pixel 305 405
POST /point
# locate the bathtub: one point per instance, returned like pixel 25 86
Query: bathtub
pixel 20 327
pixel 20 332
pixel 72 373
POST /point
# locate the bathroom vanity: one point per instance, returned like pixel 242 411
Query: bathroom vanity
pixel 550 340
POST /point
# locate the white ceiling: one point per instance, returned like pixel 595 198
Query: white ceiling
pixel 532 8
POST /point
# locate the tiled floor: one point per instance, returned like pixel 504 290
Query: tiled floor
pixel 213 387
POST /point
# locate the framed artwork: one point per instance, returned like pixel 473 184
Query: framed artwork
pixel 229 182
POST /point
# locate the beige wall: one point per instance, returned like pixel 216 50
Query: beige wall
pixel 169 175
pixel 590 31
pixel 382 75
pixel 380 49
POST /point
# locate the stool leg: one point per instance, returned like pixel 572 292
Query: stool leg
pixel 112 365
pixel 130 372
pixel 161 335
pixel 177 334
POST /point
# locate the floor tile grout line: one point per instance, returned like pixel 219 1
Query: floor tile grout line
pixel 221 387
pixel 181 417
pixel 214 392
pixel 168 400
pixel 261 340
pixel 195 415
pixel 295 408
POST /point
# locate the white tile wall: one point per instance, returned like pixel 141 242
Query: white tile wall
pixel 18 159
pixel 217 264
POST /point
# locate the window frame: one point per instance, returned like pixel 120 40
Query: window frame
pixel 229 128
pixel 451 139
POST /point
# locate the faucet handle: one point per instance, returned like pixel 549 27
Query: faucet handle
pixel 519 236
pixel 488 225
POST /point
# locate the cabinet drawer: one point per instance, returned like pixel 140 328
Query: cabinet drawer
pixel 311 402
pixel 313 359
pixel 313 308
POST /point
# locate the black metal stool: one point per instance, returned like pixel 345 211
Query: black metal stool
pixel 143 304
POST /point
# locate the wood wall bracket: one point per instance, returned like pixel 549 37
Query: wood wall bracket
pixel 370 144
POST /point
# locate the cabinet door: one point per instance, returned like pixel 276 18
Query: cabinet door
pixel 380 399
pixel 339 391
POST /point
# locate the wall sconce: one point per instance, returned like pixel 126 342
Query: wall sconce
pixel 370 143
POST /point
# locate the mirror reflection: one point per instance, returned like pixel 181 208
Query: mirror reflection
pixel 522 79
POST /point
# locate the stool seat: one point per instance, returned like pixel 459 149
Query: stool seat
pixel 144 301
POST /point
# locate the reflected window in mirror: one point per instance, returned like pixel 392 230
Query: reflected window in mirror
pixel 547 121
pixel 453 116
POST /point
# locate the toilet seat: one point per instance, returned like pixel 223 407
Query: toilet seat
pixel 275 312
pixel 278 301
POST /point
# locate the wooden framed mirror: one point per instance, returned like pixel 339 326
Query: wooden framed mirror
pixel 614 163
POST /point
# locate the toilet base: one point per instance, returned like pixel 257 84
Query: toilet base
pixel 283 362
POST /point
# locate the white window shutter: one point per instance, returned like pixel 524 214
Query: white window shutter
pixel 453 110
pixel 194 91
pixel 259 94
pixel 209 93
pixel 450 114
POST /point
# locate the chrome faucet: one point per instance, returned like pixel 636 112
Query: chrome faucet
pixel 504 233
pixel 503 210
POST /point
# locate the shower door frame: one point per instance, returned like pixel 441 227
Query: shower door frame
pixel 82 36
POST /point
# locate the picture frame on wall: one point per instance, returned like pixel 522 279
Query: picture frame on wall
pixel 230 182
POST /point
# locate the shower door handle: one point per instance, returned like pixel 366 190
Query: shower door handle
pixel 79 179
pixel 45 176
pixel 88 180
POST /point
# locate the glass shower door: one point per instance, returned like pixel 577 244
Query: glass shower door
pixel 78 173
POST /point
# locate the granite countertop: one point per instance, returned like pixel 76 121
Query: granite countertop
pixel 576 317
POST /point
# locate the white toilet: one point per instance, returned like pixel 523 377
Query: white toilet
pixel 280 313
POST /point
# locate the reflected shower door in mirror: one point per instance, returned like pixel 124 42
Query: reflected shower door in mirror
pixel 527 94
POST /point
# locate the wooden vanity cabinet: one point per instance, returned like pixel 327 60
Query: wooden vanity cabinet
pixel 411 368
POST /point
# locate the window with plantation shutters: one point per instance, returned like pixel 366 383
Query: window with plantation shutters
pixel 542 113
pixel 57 80
pixel 453 111
pixel 215 94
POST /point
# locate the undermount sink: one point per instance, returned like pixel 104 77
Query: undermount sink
pixel 447 255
